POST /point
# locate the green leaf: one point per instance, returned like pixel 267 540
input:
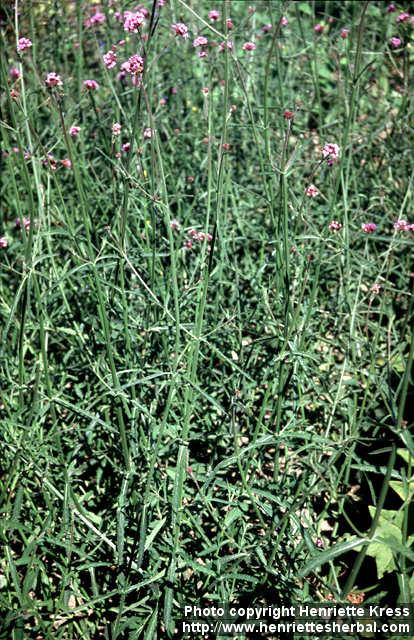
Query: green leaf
pixel 331 553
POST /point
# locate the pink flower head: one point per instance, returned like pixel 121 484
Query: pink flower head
pixel 91 85
pixel 74 130
pixel 312 191
pixel 331 152
pixel 202 54
pixel 214 15
pixel 143 10
pixel 148 133
pixel 288 115
pixel 376 288
pixel 25 222
pixel 391 8
pixel 229 44
pixel 344 33
pixel 267 27
pixel 14 73
pixel 401 225
pixel 126 147
pixel 116 129
pixel 201 41
pixel 226 146
pixel 66 163
pixel 180 29
pixel 3 242
pixel 318 28
pixel 395 42
pixel 175 225
pixel 229 24
pixel 23 44
pixel 369 227
pixel 53 80
pixel 134 65
pixel 284 21
pixel 109 59
pixel 205 91
pixel 14 94
pixel 132 21
pixel 97 18
pixel 188 244
pixel 403 17
pixel 334 225
pixel 162 102
pixel 249 46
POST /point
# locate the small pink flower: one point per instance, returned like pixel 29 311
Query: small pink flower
pixel 162 102
pixel 143 10
pixel 288 115
pixel 202 54
pixel 229 24
pixel 109 59
pixel 116 129
pixel 91 85
pixel 226 146
pixel 74 130
pixel 205 91
pixel 222 46
pixel 334 225
pixel 331 152
pixel 23 44
pixel 284 21
pixel 391 8
pixel 214 15
pixel 267 27
pixel 174 91
pixel 126 147
pixel 14 73
pixel 175 225
pixel 188 244
pixel 66 163
pixel 133 21
pixel 249 46
pixel 318 28
pixel 180 29
pixel 201 41
pixel 134 65
pixel 344 33
pixel 403 17
pixel 53 80
pixel 401 225
pixel 148 133
pixel 25 222
pixel 14 94
pixel 395 42
pixel 369 227
pixel 376 288
pixel 3 242
pixel 312 191
pixel 97 18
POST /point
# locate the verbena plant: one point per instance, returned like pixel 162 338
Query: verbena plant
pixel 206 310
